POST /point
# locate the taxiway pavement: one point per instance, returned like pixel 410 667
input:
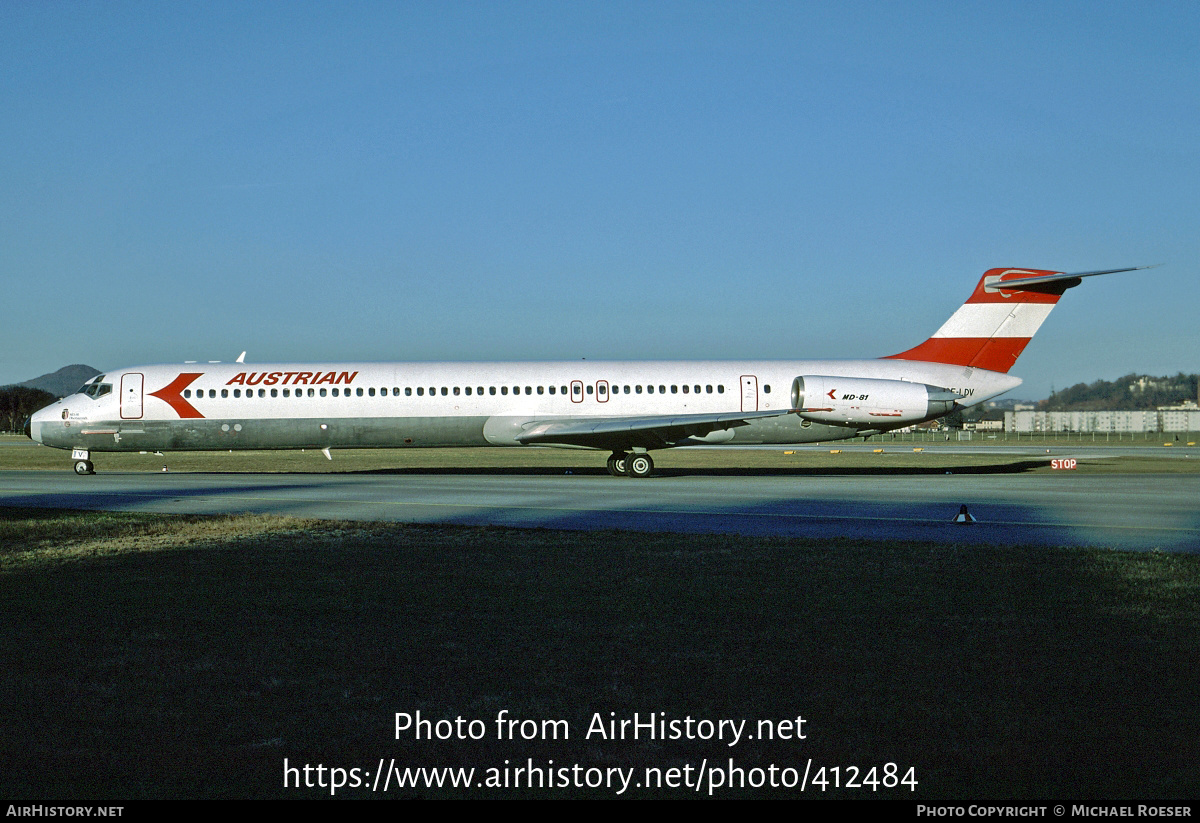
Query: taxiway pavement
pixel 1135 511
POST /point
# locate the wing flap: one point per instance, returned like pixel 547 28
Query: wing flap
pixel 627 432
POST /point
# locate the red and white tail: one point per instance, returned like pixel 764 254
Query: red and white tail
pixel 998 320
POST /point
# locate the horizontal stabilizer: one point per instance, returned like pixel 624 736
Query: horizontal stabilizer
pixel 992 283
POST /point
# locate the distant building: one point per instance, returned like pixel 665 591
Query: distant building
pixel 1180 420
pixel 1111 422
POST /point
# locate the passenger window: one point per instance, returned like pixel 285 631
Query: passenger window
pixel 237 392
pixel 708 389
pixel 310 392
pixel 274 392
pixel 626 389
pixel 540 390
pixel 479 390
pixel 491 390
pixel 467 390
pixel 187 393
pixel 262 392
pixel 563 389
pixel 685 389
pixel 504 389
pixel 589 388
pixel 408 391
pixel 638 389
pixel 674 390
pixel 650 390
pixel 720 389
pixel 359 392
pixel 552 390
pixel 322 392
pixel 420 391
pixel 456 390
pixel 445 391
pixel 767 388
pixel 287 392
pixel 212 393
pixel 371 391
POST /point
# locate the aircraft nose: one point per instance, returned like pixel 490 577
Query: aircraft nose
pixel 33 423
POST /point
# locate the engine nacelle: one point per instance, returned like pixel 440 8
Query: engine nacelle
pixel 867 402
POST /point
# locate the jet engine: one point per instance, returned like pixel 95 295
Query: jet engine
pixel 868 402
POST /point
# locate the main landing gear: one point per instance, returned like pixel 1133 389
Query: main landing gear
pixel 638 464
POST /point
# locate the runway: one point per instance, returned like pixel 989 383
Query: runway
pixel 1142 511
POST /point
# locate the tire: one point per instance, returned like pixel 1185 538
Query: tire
pixel 616 465
pixel 84 467
pixel 639 465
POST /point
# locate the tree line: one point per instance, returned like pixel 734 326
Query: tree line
pixel 18 402
pixel 1132 392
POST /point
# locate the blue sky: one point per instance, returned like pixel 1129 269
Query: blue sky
pixel 457 181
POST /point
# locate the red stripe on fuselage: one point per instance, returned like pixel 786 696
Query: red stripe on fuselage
pixel 170 394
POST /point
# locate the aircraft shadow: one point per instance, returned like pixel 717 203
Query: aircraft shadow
pixel 1018 467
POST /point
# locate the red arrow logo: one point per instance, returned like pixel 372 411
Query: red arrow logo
pixel 831 397
pixel 170 394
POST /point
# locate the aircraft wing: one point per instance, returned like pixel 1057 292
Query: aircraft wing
pixel 619 433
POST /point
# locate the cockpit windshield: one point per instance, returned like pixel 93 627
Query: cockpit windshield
pixel 96 390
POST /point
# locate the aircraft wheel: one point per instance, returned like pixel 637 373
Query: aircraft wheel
pixel 84 467
pixel 639 465
pixel 616 465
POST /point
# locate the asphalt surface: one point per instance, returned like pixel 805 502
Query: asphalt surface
pixel 1136 511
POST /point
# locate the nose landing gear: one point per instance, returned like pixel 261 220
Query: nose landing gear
pixel 83 461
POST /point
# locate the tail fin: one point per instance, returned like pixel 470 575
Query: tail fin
pixel 999 319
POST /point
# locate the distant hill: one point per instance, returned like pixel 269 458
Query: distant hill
pixel 62 382
pixel 1132 392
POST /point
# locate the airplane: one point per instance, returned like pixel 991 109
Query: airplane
pixel 628 408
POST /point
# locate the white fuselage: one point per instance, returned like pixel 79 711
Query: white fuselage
pixel 196 406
